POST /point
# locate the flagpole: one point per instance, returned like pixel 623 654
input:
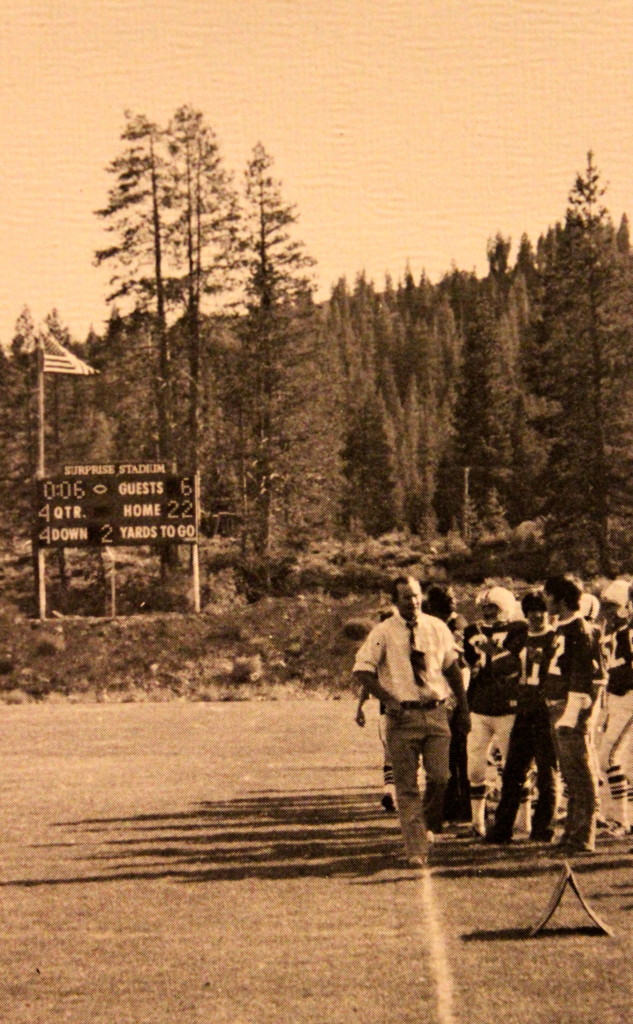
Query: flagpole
pixel 195 561
pixel 40 473
pixel 41 470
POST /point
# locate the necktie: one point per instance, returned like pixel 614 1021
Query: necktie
pixel 418 662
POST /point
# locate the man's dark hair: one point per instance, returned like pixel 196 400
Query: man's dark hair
pixel 533 602
pixel 439 602
pixel 562 588
pixel 400 581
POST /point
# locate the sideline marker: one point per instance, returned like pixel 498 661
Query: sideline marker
pixel 567 878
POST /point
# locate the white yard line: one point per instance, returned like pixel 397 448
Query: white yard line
pixel 440 965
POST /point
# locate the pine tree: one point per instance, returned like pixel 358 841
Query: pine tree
pixel 22 383
pixel 274 339
pixel 202 239
pixel 309 497
pixel 498 253
pixel 586 336
pixel 122 357
pixel 18 429
pixel 412 461
pixel 623 237
pixel 368 467
pixel 136 216
pixel 483 412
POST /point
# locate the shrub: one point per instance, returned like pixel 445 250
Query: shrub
pixel 258 577
pixel 350 578
pixel 225 632
pixel 355 629
pixel 482 562
pixel 46 648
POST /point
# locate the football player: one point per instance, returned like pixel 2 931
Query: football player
pixel 491 651
pixel 532 737
pixel 571 687
pixel 615 751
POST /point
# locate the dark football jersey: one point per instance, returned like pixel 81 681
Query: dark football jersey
pixel 539 648
pixel 576 664
pixel 492 653
pixel 618 651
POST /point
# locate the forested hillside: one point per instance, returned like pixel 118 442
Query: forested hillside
pixel 465 407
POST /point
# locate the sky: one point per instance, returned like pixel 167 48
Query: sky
pixel 407 132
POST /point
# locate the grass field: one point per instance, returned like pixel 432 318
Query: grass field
pixel 230 863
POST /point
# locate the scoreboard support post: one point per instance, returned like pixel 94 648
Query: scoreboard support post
pixel 113 588
pixel 41 583
pixel 110 557
pixel 195 553
pixel 195 566
pixel 41 472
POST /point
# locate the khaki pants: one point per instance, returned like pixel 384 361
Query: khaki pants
pixel 411 735
pixel 577 765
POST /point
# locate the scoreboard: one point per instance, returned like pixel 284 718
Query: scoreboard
pixel 116 504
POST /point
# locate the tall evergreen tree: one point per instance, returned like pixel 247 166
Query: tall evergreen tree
pixel 18 424
pixel 484 408
pixel 368 467
pixel 623 237
pixel 138 202
pixel 417 501
pixel 586 352
pixel 122 356
pixel 274 341
pixel 23 374
pixel 202 239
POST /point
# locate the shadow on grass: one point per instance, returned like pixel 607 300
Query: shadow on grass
pixel 273 835
pixel 509 934
pixel 270 835
pixel 531 865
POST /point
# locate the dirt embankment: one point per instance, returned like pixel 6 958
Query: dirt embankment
pixel 242 646
pixel 275 647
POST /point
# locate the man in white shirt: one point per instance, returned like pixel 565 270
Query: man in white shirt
pixel 409 662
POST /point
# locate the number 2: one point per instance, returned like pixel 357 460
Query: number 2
pixel 559 650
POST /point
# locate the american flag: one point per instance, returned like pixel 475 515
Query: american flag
pixel 58 359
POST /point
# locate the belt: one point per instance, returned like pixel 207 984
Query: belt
pixel 421 705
